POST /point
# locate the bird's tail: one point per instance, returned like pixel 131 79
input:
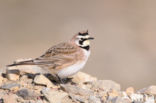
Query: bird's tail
pixel 28 62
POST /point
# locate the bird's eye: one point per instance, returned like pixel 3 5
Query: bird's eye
pixel 81 42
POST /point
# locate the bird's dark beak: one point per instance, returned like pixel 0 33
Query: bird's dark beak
pixel 90 38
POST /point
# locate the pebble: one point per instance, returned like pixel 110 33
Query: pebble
pixel 130 91
pixel 1 79
pixel 76 90
pixel 78 98
pixel 67 99
pixel 11 99
pixel 42 80
pixel 81 77
pixel 11 86
pixel 106 85
pixel 13 77
pixel 82 89
pixel 150 90
pixel 53 96
pixel 1 100
pixel 25 81
pixel 113 93
pixel 94 99
pixel 121 100
pixel 27 94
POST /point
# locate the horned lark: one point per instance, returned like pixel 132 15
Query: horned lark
pixel 64 59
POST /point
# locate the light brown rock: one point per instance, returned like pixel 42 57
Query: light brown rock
pixel 78 98
pixel 73 89
pixel 42 80
pixel 106 85
pixel 1 80
pixel 10 98
pixel 13 77
pixel 25 81
pixel 81 77
pixel 113 93
pixel 53 96
pixel 149 90
pixel 66 99
pixel 130 91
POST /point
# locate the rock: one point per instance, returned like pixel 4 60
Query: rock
pixel 39 101
pixel 27 94
pixel 13 77
pixel 1 100
pixel 104 96
pixel 113 93
pixel 78 98
pixel 120 100
pixel 67 99
pixel 42 80
pixel 93 99
pixel 83 88
pixel 20 100
pixel 10 98
pixel 11 86
pixel 81 77
pixel 53 96
pixel 130 91
pixel 106 85
pixel 149 90
pixel 25 81
pixel 1 79
pixel 73 89
pixel 150 99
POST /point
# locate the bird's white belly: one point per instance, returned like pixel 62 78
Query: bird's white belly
pixel 71 70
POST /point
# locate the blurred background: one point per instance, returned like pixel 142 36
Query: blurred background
pixel 125 30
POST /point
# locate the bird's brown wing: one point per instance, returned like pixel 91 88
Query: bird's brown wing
pixel 57 57
pixel 62 48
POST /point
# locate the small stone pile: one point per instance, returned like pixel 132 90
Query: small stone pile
pixel 82 88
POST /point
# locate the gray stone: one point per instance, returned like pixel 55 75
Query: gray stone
pixel 1 100
pixel 27 94
pixel 10 86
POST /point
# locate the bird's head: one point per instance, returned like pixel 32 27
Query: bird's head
pixel 82 39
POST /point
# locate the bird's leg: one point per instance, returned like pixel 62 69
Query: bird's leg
pixel 61 80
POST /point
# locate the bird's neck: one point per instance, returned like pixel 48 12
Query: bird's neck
pixel 85 47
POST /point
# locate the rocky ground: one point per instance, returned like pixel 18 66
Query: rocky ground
pixel 82 88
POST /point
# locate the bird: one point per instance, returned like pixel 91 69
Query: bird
pixel 64 59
